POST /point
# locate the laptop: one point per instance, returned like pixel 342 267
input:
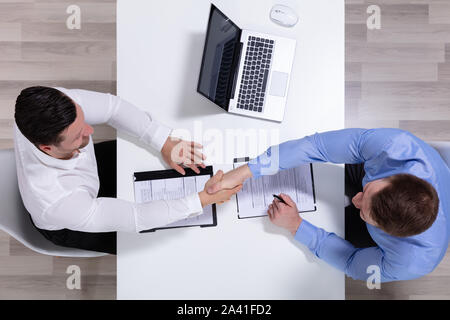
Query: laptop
pixel 245 72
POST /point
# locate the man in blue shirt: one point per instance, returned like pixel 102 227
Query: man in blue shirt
pixel 404 201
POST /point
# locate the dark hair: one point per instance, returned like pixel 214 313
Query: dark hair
pixel 42 113
pixel 407 206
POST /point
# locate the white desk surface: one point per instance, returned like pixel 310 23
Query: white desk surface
pixel 159 48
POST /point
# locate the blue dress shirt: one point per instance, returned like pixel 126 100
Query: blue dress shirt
pixel 384 152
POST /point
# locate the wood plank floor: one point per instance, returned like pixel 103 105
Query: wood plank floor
pixel 398 76
pixel 36 48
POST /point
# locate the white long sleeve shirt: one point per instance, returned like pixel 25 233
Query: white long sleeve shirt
pixel 63 193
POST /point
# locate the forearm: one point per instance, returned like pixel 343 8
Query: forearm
pixel 159 213
pixel 105 108
pixel 340 146
pixel 138 123
pixel 80 212
pixel 342 255
pixel 325 245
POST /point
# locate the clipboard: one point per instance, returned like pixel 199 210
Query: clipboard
pixel 148 179
pixel 262 194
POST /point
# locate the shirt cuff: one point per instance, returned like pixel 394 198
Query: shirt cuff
pixel 254 168
pixel 305 233
pixel 265 164
pixel 194 205
pixel 156 135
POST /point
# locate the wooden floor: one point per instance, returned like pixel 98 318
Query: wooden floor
pixel 398 76
pixel 36 48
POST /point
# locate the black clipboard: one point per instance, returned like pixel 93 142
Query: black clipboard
pixel 169 174
pixel 247 159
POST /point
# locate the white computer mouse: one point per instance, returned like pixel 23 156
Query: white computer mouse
pixel 283 16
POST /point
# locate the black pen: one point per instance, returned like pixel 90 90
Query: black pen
pixel 281 200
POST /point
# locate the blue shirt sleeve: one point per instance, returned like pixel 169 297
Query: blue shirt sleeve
pixel 342 146
pixel 342 255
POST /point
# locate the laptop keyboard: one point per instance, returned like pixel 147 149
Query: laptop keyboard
pixel 256 71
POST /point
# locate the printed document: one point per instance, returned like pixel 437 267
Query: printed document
pixel 257 193
pixel 175 188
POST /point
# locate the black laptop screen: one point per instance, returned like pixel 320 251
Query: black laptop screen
pixel 217 69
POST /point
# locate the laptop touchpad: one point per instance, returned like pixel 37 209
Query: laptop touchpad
pixel 278 84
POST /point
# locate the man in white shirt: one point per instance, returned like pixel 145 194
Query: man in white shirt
pixel 58 175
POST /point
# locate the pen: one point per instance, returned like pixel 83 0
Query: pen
pixel 279 198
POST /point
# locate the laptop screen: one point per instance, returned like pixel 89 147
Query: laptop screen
pixel 217 71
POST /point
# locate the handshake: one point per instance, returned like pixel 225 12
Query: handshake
pixel 221 187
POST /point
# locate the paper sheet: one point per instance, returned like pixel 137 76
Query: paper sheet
pixel 175 188
pixel 256 194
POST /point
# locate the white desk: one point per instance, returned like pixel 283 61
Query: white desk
pixel 160 45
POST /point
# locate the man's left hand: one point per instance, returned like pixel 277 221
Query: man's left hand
pixel 177 152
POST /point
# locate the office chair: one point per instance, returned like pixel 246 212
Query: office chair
pixel 443 147
pixel 15 220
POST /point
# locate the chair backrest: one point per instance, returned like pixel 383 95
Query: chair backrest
pixel 443 147
pixel 15 220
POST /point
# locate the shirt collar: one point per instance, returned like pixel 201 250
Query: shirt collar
pixel 49 160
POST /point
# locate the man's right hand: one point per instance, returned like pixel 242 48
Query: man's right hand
pixel 230 180
pixel 220 196
pixel 285 215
